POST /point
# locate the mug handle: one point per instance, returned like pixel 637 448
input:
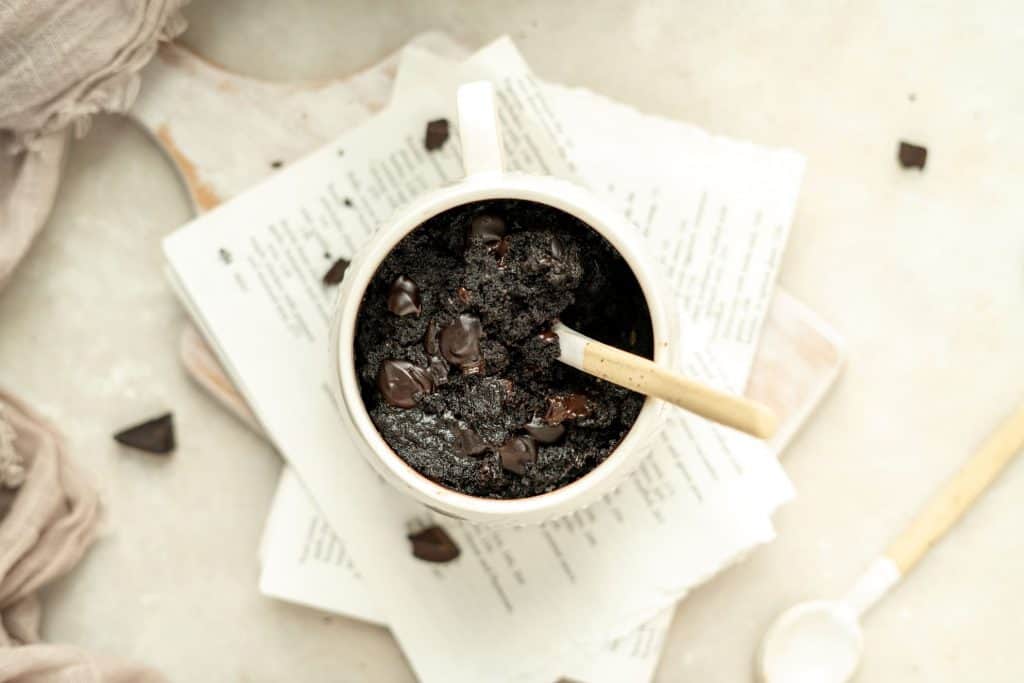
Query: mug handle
pixel 482 151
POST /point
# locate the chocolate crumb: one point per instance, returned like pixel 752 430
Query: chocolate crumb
pixel 437 134
pixel 912 156
pixel 347 202
pixel 336 273
pixel 276 164
pixel 153 436
pixel 433 544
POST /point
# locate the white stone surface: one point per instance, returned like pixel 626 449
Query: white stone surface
pixel 923 273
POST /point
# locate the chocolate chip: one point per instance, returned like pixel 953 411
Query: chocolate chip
pixel 502 248
pixel 437 134
pixel 488 229
pixel 438 370
pixel 336 272
pixel 544 433
pixel 517 453
pixel 152 436
pixel 401 383
pixel 430 339
pixel 548 336
pixel 467 441
pixel 460 343
pixel 557 248
pixel 433 544
pixel 912 156
pixel 566 407
pixel 404 297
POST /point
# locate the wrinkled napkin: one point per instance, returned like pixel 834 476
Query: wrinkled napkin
pixel 60 62
pixel 48 519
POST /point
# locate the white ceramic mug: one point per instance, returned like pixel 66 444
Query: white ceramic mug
pixel 487 179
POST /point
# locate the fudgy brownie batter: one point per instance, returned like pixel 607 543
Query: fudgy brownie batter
pixel 457 361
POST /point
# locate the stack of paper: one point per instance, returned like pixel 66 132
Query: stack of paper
pixel 586 596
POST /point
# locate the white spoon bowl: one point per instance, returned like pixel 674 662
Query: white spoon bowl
pixel 813 642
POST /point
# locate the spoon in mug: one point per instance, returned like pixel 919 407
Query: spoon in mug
pixel 645 377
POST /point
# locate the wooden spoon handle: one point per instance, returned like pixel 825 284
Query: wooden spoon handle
pixel 957 495
pixel 643 376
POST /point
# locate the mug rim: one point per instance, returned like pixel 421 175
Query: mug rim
pixel 559 194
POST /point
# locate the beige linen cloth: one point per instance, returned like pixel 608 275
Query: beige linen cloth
pixel 48 518
pixel 60 62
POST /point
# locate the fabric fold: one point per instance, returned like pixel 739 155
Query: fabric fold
pixel 60 63
pixel 49 514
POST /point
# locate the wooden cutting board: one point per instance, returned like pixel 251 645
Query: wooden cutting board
pixel 225 132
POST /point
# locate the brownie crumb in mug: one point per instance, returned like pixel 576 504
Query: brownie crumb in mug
pixel 456 360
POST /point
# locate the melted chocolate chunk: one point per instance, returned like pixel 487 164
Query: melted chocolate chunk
pixel 545 433
pixel 489 229
pixel 566 407
pixel 401 383
pixel 517 453
pixel 430 339
pixel 152 436
pixel 433 544
pixel 557 248
pixel 502 249
pixel 548 336
pixel 463 294
pixel 438 370
pixel 437 134
pixel 460 343
pixel 404 297
pixel 336 273
pixel 467 441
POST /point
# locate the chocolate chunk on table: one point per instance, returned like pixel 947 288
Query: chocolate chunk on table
pixel 336 273
pixel 433 544
pixel 153 436
pixel 912 156
pixel 437 134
